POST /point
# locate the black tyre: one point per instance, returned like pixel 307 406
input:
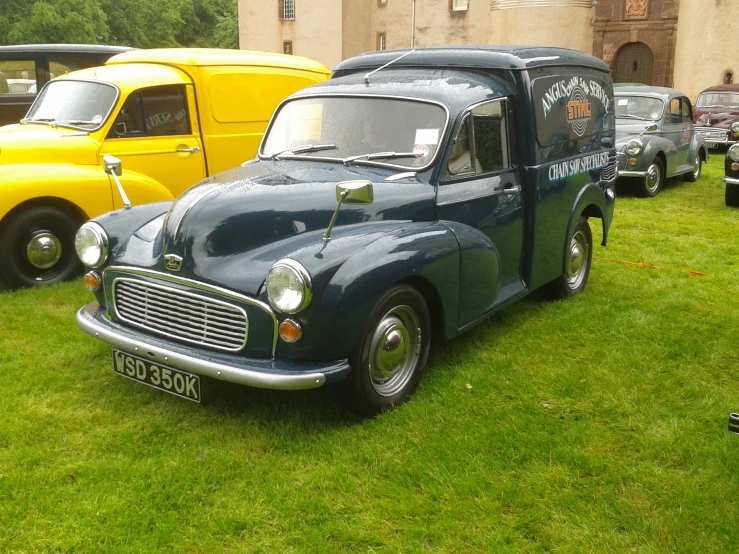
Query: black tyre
pixel 37 247
pixel 389 359
pixel 654 180
pixel 731 195
pixel 694 175
pixel 577 263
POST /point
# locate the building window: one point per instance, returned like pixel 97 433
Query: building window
pixel 459 5
pixel 382 41
pixel 287 47
pixel 728 78
pixel 287 10
pixel 381 3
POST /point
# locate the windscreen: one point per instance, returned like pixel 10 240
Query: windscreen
pixel 718 99
pixel 343 127
pixel 640 108
pixel 79 104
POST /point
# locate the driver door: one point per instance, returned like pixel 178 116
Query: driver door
pixel 481 188
pixel 155 135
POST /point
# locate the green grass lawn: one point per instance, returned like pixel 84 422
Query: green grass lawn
pixel 595 424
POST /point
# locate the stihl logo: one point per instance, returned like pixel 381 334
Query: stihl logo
pixel 578 109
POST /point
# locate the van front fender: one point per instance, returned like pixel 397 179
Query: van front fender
pixel 87 187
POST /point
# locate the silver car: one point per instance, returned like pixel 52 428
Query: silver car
pixel 655 137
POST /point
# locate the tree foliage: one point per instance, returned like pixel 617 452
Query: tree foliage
pixel 139 23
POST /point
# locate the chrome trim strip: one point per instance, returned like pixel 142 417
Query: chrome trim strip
pixel 632 173
pixel 730 180
pixel 371 163
pixel 203 286
pixel 182 334
pixel 87 323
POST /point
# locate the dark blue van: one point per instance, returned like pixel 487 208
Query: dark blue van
pixel 412 196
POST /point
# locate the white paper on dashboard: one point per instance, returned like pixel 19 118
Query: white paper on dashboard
pixel 427 136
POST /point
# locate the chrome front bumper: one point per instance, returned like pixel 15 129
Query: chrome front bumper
pixel 254 372
pixel 730 180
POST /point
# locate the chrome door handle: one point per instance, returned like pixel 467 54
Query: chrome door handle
pixel 188 150
pixel 512 190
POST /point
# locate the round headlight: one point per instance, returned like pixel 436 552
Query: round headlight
pixel 289 286
pixel 735 127
pixel 734 153
pixel 633 148
pixel 91 244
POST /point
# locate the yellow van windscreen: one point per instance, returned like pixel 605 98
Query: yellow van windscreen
pixel 238 97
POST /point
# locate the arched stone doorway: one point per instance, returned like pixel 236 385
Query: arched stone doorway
pixel 634 63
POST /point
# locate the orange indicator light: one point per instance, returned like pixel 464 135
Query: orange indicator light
pixel 290 331
pixel 92 281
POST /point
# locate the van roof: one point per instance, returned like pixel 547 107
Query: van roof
pixel 216 57
pixel 132 76
pixel 483 57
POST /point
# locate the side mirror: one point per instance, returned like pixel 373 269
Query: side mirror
pixel 355 192
pixel 649 128
pixel 351 192
pixel 113 165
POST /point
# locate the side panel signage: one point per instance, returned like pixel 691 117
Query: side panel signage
pixel 569 107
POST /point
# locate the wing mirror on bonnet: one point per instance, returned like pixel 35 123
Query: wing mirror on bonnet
pixel 351 192
pixel 114 168
pixel 649 128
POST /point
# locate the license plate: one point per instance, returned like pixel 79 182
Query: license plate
pixel 168 379
pixel 711 145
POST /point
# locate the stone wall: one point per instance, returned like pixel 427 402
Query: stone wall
pixel 652 22
pixel 707 44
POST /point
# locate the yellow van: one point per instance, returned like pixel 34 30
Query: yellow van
pixel 171 116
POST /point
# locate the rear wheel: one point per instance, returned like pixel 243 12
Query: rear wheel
pixel 653 180
pixel 694 175
pixel 731 195
pixel 37 248
pixel 390 357
pixel 578 260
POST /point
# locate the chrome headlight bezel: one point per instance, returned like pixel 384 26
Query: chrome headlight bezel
pixel 733 153
pixel 94 231
pixel 735 127
pixel 633 147
pixel 300 280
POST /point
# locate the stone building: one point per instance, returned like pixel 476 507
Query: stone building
pixel 689 44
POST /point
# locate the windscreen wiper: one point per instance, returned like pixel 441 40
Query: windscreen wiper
pixel 47 120
pixel 632 116
pixel 381 156
pixel 303 149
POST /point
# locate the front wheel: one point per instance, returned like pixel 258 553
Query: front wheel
pixel 694 175
pixel 579 258
pixel 653 180
pixel 37 248
pixel 391 354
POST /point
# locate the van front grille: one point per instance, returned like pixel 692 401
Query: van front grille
pixel 181 315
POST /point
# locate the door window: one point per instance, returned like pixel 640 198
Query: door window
pixel 687 111
pixel 153 112
pixel 17 77
pixel 674 114
pixel 66 63
pixel 481 144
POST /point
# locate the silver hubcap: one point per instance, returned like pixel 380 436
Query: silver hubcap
pixel 697 172
pixel 394 350
pixel 44 250
pixel 653 177
pixel 576 264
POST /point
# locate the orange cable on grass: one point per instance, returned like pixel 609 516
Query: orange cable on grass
pixel 639 264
